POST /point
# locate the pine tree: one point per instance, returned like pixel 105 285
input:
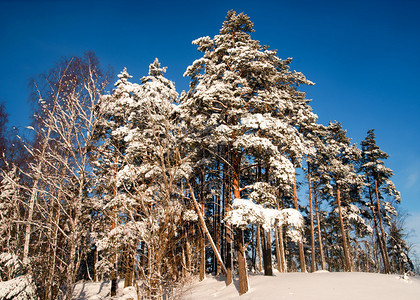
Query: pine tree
pixel 240 98
pixel 378 187
pixel 139 156
pixel 340 157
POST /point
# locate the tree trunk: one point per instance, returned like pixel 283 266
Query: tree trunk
pixel 204 227
pixel 228 227
pixel 383 239
pixel 203 238
pixel 243 276
pixel 312 222
pixel 129 269
pixel 259 259
pixel 34 192
pixel 218 229
pixel 347 262
pixel 266 249
pixel 300 243
pixel 376 228
pixel 321 248
pixel 95 260
pixel 202 257
pixel 279 242
pixel 278 255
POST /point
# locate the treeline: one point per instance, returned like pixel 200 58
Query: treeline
pixel 151 186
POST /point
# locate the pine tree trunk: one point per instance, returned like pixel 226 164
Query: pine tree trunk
pixel 203 238
pixel 204 228
pixel 312 221
pixel 227 226
pixel 347 262
pixel 282 249
pixel 279 242
pixel 95 260
pixel 218 229
pixel 278 255
pixel 187 253
pixel 374 249
pixel 243 276
pixel 376 228
pixel 300 243
pixel 383 239
pixel 321 248
pixel 259 258
pixel 217 209
pixel 129 269
pixel 266 249
pixel 202 257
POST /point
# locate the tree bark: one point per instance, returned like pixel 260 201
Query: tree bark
pixel 266 249
pixel 383 239
pixel 376 227
pixel 203 237
pixel 347 262
pixel 243 278
pixel 300 243
pixel 278 255
pixel 202 257
pixel 129 269
pixel 321 248
pixel 312 221
pixel 259 259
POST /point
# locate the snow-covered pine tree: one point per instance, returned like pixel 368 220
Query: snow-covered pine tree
pixel 340 157
pixel 108 162
pixel 145 181
pixel 315 133
pixel 240 99
pixel 379 189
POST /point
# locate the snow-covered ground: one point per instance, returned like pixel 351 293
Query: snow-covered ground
pixel 318 285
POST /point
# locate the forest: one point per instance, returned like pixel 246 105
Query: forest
pixel 235 175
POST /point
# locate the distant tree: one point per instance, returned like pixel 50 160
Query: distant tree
pixel 398 248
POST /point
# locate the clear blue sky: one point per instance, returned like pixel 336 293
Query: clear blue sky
pixel 364 57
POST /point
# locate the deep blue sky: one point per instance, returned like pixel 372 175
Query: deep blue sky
pixel 364 57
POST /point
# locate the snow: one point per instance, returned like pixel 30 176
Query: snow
pixel 246 212
pixel 319 285
pixel 19 288
pixel 101 290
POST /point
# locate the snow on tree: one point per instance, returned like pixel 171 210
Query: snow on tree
pixel 57 222
pixel 379 189
pixel 245 212
pixel 242 98
pixel 340 179
pixel 16 282
pixel 144 179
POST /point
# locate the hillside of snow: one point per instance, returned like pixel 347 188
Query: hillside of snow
pixel 318 285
